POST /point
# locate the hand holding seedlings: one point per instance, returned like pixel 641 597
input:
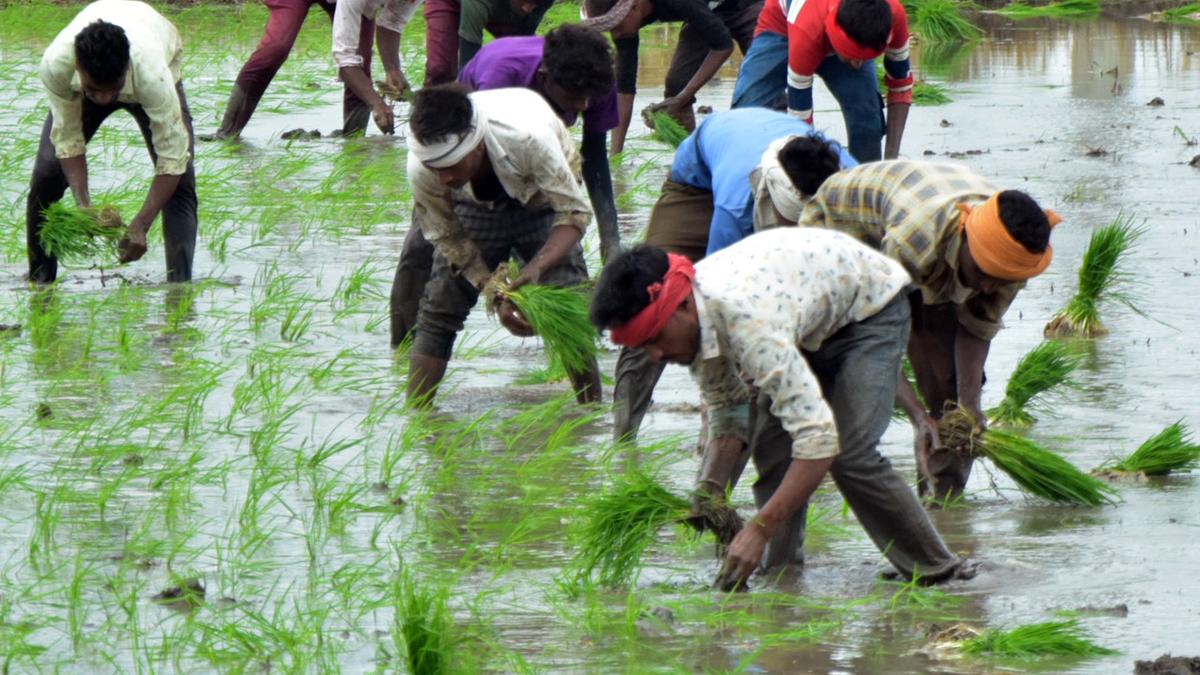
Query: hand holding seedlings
pixel 745 554
pixel 133 245
pixel 511 319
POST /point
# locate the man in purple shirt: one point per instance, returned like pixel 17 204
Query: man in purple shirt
pixel 572 68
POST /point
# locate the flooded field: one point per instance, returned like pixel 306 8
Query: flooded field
pixel 223 476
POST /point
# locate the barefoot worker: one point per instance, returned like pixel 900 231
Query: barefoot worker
pixel 354 24
pixel 491 172
pixel 970 249
pixel 818 323
pixel 572 68
pixel 454 30
pixel 705 43
pixel 116 55
pixel 838 40
pixel 740 165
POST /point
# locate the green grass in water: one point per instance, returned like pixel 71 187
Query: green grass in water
pixel 560 317
pixel 1100 279
pixel 1048 365
pixel 71 233
pixel 620 524
pixel 1059 10
pixel 1033 468
pixel 667 130
pixel 941 21
pixel 1050 638
pixel 424 621
pixel 1171 449
pixel 1189 13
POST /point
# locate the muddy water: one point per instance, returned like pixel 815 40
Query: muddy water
pixel 1030 101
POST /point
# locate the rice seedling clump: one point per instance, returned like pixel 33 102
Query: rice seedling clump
pixel 1049 638
pixel 1100 279
pixel 73 233
pixel 1061 10
pixel 620 524
pixel 1171 449
pixel 667 129
pixel 1034 469
pixel 940 21
pixel 1048 365
pixel 424 622
pixel 559 316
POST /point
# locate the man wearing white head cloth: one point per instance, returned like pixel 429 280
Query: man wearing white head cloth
pixel 740 168
pixel 493 173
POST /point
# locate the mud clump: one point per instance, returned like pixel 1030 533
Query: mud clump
pixel 1096 152
pixel 186 596
pixel 1156 102
pixel 1195 163
pixel 300 134
pixel 1169 665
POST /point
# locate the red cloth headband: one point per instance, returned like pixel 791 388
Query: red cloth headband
pixel 843 44
pixel 665 297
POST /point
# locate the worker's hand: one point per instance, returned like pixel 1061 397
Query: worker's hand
pixel 673 106
pixel 529 274
pixel 703 497
pixel 511 319
pixel 133 245
pixel 925 441
pixel 384 119
pixel 402 90
pixel 744 556
pixel 711 511
pixel 980 419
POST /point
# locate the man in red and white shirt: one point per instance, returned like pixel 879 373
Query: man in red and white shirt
pixel 838 40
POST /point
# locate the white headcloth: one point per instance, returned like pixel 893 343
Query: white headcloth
pixel 449 150
pixel 770 180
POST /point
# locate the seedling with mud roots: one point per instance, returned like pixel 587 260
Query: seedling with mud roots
pixel 1050 638
pixel 1100 279
pixel 1047 366
pixel 666 128
pixel 558 315
pixel 71 233
pixel 1171 449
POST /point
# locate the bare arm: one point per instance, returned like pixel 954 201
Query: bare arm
pixel 897 117
pixel 598 178
pixel 358 82
pixel 133 245
pixel 387 41
pixel 625 111
pixel 75 169
pixel 708 68
pixel 970 353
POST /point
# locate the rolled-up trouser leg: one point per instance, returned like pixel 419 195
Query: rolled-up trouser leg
pixel 771 450
pixel 635 378
pixel 858 367
pixel 408 286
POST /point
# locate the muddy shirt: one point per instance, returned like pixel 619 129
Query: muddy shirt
pixel 760 302
pixel 155 54
pixel 535 160
pixel 349 15
pixel 907 210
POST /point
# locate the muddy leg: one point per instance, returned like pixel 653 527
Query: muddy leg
pixel 412 274
pixel 931 351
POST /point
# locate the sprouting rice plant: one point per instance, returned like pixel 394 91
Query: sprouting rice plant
pixel 560 317
pixel 1033 468
pixel 424 628
pixel 1049 638
pixel 72 233
pixel 668 130
pixel 940 20
pixel 1060 10
pixel 1047 366
pixel 1100 279
pixel 1171 449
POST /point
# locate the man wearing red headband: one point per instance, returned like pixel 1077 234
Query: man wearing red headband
pixel 838 40
pixel 969 248
pixel 818 323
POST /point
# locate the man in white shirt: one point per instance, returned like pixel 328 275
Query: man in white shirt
pixel 818 322
pixel 354 24
pixel 492 172
pixel 116 55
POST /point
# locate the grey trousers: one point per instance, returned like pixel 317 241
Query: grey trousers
pixel 49 184
pixel 857 368
pixel 408 285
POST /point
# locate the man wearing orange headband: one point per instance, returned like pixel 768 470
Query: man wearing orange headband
pixel 970 249
pixel 839 41
pixel 818 323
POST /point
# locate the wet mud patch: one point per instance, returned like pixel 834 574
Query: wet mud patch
pixel 1169 665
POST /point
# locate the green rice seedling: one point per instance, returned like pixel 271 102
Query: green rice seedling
pixel 1049 638
pixel 620 524
pixel 1101 278
pixel 423 628
pixel 1066 9
pixel 72 233
pixel 924 92
pixel 1171 449
pixel 940 21
pixel 560 317
pixel 667 129
pixel 1189 13
pixel 1033 468
pixel 1047 366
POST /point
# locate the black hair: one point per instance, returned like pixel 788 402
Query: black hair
pixel 579 59
pixel 440 111
pixel 621 291
pixel 867 22
pixel 102 51
pixel 808 161
pixel 1025 220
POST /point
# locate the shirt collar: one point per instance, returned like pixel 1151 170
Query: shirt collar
pixel 709 346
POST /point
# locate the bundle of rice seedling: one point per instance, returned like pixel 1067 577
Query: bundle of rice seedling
pixel 1169 450
pixel 424 622
pixel 558 315
pixel 620 524
pixel 1100 278
pixel 940 21
pixel 72 233
pixel 1047 366
pixel 1061 10
pixel 1189 13
pixel 1050 638
pixel 1033 468
pixel 924 92
pixel 667 129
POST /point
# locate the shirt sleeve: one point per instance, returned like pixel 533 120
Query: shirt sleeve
pixel 66 106
pixel 473 19
pixel 442 228
pixel 347 26
pixel 898 75
pixel 982 315
pixel 627 64
pixel 157 94
pixel 553 163
pixel 396 14
pixel 807 46
pixel 726 397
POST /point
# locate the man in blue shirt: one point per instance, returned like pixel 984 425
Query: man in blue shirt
pixel 740 168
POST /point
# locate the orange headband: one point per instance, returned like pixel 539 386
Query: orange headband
pixel 665 297
pixel 845 45
pixel 994 249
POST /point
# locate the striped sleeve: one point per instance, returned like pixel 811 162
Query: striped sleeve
pixel 896 64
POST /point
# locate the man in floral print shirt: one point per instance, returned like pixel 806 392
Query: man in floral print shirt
pixel 818 322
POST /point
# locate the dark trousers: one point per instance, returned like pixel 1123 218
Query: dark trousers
pixel 857 368
pixel 408 286
pixel 49 184
pixel 691 50
pixel 287 17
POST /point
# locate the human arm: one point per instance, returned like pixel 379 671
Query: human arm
pixel 807 47
pixel 597 176
pixel 76 172
pixel 898 79
pixel 388 43
pixel 66 129
pixel 925 428
pixel 347 26
pixel 549 161
pixel 970 353
pixel 627 65
pixel 133 245
pixel 704 23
